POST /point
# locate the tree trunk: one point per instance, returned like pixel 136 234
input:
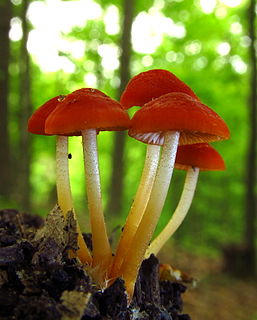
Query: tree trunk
pixel 5 170
pixel 251 208
pixel 25 112
pixel 116 186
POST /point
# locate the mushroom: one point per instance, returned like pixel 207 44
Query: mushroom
pixel 88 111
pixel 141 89
pixel 152 84
pixel 192 158
pixel 168 120
pixel 36 125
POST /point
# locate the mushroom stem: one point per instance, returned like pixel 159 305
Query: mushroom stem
pixel 102 253
pixel 64 192
pixel 62 175
pixel 138 206
pixel 179 214
pixel 136 252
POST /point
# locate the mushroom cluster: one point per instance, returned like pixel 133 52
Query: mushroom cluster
pixel 177 128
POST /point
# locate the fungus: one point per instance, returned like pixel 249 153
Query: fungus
pixel 141 89
pixel 86 112
pixel 36 125
pixel 152 84
pixel 171 114
pixel 172 119
pixel 192 158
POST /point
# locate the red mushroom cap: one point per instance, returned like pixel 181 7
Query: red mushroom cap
pixel 152 84
pixel 177 112
pixel 36 123
pixel 87 108
pixel 200 155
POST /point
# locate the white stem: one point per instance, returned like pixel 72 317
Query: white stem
pixel 62 175
pixel 64 192
pixel 138 206
pixel 135 255
pixel 101 246
pixel 179 214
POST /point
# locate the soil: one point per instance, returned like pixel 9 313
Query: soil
pixel 39 280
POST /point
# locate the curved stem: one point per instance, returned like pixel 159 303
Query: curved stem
pixel 83 252
pixel 135 255
pixel 138 206
pixel 64 192
pixel 179 214
pixel 102 253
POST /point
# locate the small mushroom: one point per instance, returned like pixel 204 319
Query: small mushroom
pixel 86 112
pixel 168 120
pixel 36 125
pixel 192 158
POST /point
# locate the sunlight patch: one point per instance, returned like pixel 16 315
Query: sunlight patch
pixel 236 28
pixel 111 20
pixel 147 61
pixel 90 80
pixel 223 48
pixel 238 64
pixel 45 41
pixel 208 6
pixel 15 33
pixel 193 47
pixel 110 56
pixel 231 3
pixel 148 30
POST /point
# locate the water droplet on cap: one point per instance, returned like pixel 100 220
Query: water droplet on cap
pixel 61 98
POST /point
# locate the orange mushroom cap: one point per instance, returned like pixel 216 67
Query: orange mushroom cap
pixel 152 84
pixel 177 112
pixel 200 155
pixel 36 123
pixel 87 108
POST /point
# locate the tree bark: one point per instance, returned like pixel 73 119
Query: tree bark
pixel 5 170
pixel 24 114
pixel 251 208
pixel 116 186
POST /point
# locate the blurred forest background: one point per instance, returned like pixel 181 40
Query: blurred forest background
pixel 53 47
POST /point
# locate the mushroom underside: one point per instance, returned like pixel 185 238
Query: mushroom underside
pixel 186 137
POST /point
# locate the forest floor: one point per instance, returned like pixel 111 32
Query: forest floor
pixel 216 295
